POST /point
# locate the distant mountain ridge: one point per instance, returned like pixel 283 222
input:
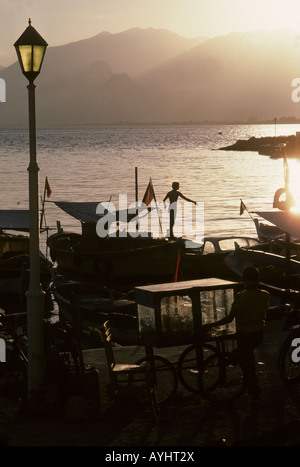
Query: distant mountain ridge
pixel 149 75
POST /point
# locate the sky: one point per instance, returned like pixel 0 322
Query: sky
pixel 64 21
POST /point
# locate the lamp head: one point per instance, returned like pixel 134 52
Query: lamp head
pixel 30 48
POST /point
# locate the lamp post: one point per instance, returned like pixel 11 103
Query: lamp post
pixel 30 48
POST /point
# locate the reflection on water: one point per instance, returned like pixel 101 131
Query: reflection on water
pixel 98 164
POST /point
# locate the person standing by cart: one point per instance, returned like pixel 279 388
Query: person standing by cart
pixel 249 309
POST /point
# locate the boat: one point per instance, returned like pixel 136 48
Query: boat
pixel 209 259
pixel 274 269
pixel 112 259
pixel 267 232
pixel 14 274
pixel 87 306
pixel 14 255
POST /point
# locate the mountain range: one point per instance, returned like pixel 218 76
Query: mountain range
pixel 156 76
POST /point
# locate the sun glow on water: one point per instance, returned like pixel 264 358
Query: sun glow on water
pixel 294 182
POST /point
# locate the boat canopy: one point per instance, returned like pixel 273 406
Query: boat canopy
pixel 287 221
pixel 82 211
pixel 14 219
pixel 85 212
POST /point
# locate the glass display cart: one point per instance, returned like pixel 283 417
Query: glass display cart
pixel 172 314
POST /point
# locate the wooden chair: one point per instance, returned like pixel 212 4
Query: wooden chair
pixel 135 379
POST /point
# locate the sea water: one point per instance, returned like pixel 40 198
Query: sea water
pixel 100 163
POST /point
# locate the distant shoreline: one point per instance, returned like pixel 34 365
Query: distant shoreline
pixel 288 121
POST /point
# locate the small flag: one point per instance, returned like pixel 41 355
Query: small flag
pixel 149 194
pixel 242 208
pixel 47 188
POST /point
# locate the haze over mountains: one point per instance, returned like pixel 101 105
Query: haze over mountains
pixel 155 76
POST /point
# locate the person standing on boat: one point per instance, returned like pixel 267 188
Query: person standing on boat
pixel 173 196
pixel 249 310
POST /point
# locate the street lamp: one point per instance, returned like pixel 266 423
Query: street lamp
pixel 31 49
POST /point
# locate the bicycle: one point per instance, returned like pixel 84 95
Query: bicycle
pixel 13 371
pixel 221 376
pixel 63 360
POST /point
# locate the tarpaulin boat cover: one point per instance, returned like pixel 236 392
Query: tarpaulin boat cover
pixel 286 220
pixel 83 211
pixel 14 219
pixel 86 211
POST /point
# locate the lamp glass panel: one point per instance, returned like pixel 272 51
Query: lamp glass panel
pixel 38 53
pixel 26 56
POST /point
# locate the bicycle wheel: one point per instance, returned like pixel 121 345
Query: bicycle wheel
pixel 165 378
pixel 188 367
pixel 289 368
pixel 13 373
pixel 222 377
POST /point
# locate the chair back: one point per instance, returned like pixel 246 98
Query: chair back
pixel 108 344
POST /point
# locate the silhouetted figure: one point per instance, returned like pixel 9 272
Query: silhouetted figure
pixel 249 310
pixel 173 196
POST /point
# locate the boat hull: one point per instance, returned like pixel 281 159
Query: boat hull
pixel 209 260
pixel 273 268
pixel 14 266
pixel 135 260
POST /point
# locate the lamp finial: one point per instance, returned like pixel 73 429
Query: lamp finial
pixel 29 21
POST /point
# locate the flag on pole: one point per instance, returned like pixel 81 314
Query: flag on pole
pixel 47 188
pixel 149 194
pixel 242 208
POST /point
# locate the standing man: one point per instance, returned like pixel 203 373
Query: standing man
pixel 173 196
pixel 249 310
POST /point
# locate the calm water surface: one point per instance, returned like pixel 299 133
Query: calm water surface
pixel 98 163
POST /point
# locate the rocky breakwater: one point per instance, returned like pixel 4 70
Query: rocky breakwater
pixel 267 145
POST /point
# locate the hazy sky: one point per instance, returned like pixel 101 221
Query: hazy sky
pixel 63 21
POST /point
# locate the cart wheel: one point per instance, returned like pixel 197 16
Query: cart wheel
pixel 222 378
pixel 165 377
pixel 188 367
pixel 288 369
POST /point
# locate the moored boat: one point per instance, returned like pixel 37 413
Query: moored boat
pixel 14 256
pixel 209 259
pixel 274 269
pixel 113 260
pixel 116 260
pixel 267 232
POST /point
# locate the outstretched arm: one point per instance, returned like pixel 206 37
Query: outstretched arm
pixel 187 199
